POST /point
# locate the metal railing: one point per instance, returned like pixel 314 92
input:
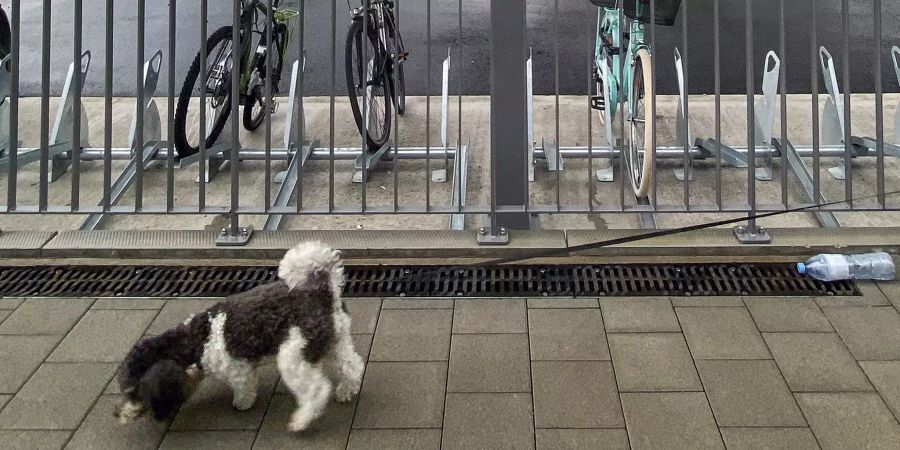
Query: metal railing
pixel 526 175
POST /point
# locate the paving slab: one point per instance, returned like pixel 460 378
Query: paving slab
pixel 10 303
pixel 871 296
pixel 21 355
pixel 101 429
pixel 45 316
pixel 575 394
pixel 850 420
pixel 129 303
pixel 103 336
pixel 563 303
pixel 57 397
pixel 576 439
pixel 489 363
pixel 208 440
pixel 721 333
pixel 639 315
pixel 816 362
pixel 870 333
pixel 567 335
pixel 769 438
pixel 4 399
pixel 700 302
pixel 210 407
pixel 416 303
pixel 363 314
pixel 412 335
pixel 402 395
pixel 749 394
pixel 4 314
pixel 488 421
pixel 786 315
pixel 891 290
pixel 490 316
pixel 670 420
pixel 422 439
pixel 647 362
pixel 33 439
pixel 176 312
pixel 328 432
pixel 885 375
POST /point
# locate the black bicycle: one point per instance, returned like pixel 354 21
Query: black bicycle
pixel 221 53
pixel 374 66
pixel 5 35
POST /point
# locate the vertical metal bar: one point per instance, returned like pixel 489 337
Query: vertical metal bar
pixel 271 51
pixel 653 140
pixel 331 115
pixel 138 151
pixel 76 110
pixel 459 103
pixel 592 66
pixel 107 109
pixel 621 99
pixel 688 170
pixel 13 166
pixel 365 100
pixel 170 115
pixel 814 84
pixel 204 16
pixel 298 187
pixel 428 106
pixel 751 113
pixel 717 56
pixel 236 66
pixel 45 106
pixel 396 110
pixel 848 125
pixel 556 92
pixel 879 107
pixel 509 115
pixel 785 201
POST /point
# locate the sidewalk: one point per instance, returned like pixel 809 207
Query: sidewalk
pixel 544 373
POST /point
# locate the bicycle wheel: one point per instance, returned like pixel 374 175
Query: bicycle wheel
pixel 400 89
pixel 5 35
pixel 367 85
pixel 254 109
pixel 640 153
pixel 220 60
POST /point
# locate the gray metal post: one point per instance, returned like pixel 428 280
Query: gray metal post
pixel 509 120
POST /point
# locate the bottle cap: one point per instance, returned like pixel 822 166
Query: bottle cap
pixel 801 268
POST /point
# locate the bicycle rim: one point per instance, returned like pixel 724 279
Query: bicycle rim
pixel 368 86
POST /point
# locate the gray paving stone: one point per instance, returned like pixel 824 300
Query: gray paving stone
pixel 103 336
pixel 20 356
pixel 210 407
pixel 208 440
pixel 488 421
pixel 639 315
pixel 56 397
pixel 780 315
pixel 769 438
pixel 364 314
pixel 176 312
pixel 575 394
pixel 489 363
pixel 647 362
pixel 4 399
pixel 671 420
pixel 4 314
pixel 871 296
pixel 850 420
pixel 567 334
pixel 328 432
pixel 101 430
pixel 563 303
pixel 749 394
pixel 574 439
pixel 424 439
pixel 361 342
pixel 45 316
pixel 490 316
pixel 402 395
pixel 891 290
pixel 816 362
pixel 10 303
pixel 885 375
pixel 690 302
pixel 129 303
pixel 412 335
pixel 415 303
pixel 721 333
pixel 870 333
pixel 33 440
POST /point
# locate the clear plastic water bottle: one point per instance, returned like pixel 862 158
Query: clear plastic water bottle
pixel 870 266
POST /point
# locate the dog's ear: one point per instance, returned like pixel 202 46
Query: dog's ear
pixel 163 389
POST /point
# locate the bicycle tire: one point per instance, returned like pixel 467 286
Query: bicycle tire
pixel 255 97
pixel 400 90
pixel 641 172
pixel 182 145
pixel 5 35
pixel 354 34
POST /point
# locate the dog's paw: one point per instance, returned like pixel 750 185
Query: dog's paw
pixel 243 404
pixel 299 422
pixel 344 392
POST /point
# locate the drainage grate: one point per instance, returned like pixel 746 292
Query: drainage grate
pixel 395 281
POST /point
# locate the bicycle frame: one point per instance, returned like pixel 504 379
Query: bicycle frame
pixel 609 29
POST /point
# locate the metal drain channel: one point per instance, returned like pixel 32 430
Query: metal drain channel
pixel 619 280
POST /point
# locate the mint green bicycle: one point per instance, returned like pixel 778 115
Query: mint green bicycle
pixel 635 86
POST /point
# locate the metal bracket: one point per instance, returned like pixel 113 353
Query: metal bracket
pixel 487 236
pixel 754 235
pixel 231 238
pixel 681 122
pixel 63 127
pixel 440 175
pixel 833 126
pixel 895 55
pixel 460 181
pixel 529 90
pixel 826 219
pixel 120 186
pixel 367 161
pixel 764 118
pixel 555 162
pixel 4 106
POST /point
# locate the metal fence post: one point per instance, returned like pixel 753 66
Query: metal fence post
pixel 509 126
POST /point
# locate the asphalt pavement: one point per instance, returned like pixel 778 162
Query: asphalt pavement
pixel 562 28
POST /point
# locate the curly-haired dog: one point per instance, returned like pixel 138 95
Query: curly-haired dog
pixel 300 319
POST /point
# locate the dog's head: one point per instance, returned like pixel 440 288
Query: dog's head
pixel 160 391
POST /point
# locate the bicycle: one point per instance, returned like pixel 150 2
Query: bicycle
pixel 635 85
pixel 379 81
pixel 217 85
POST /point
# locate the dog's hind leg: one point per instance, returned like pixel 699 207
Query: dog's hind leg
pixel 241 377
pixel 344 365
pixel 307 381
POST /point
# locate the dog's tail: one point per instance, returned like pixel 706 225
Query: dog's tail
pixel 313 265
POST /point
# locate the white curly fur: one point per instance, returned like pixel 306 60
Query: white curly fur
pixel 308 257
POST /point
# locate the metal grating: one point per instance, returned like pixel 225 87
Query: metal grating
pixel 616 280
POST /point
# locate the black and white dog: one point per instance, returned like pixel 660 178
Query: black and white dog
pixel 300 319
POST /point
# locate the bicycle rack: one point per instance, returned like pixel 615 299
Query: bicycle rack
pixel 4 106
pixel 895 54
pixel 141 152
pixel 681 122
